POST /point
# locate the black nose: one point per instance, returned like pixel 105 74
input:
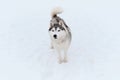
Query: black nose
pixel 55 36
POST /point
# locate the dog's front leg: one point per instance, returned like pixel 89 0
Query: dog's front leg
pixel 65 56
pixel 59 57
pixel 51 46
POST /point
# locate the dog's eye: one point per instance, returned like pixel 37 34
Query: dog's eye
pixel 58 30
pixel 52 30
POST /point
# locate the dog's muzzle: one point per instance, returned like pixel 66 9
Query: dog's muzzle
pixel 55 36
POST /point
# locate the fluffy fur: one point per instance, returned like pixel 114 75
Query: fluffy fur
pixel 60 34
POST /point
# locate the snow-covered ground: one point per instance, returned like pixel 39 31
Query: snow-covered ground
pixel 24 41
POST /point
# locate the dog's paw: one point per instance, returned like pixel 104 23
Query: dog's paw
pixel 65 60
pixel 51 47
pixel 60 61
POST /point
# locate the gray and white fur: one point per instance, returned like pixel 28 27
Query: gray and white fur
pixel 60 34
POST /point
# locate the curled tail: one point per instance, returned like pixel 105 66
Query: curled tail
pixel 56 11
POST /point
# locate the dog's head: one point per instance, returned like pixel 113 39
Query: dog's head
pixel 57 32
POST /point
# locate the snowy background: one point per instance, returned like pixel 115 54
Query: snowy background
pixel 25 52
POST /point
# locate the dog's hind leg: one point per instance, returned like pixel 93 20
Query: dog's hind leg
pixel 59 57
pixel 65 56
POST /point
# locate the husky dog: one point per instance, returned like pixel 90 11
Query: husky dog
pixel 60 34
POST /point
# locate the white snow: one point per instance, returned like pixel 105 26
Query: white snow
pixel 24 40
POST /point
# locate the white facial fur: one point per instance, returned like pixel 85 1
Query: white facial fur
pixel 57 34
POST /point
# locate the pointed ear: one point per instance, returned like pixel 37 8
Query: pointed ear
pixel 60 23
pixel 50 24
